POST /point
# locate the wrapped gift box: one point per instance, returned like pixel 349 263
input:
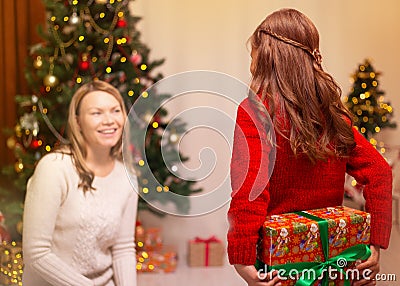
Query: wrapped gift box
pixel 149 239
pixel 206 252
pixel 163 260
pixel 153 239
pixel 313 236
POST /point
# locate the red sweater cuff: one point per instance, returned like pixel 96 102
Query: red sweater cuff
pixel 380 234
pixel 242 251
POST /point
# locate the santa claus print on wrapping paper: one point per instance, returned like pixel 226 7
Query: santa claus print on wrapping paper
pixel 364 234
pixel 339 238
pixel 311 241
pixel 281 248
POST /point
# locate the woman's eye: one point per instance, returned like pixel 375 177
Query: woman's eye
pixel 95 113
pixel 117 110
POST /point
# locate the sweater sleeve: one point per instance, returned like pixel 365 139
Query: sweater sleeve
pixel 369 168
pixel 249 174
pixel 123 252
pixel 43 199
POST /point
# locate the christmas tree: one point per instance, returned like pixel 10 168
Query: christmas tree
pixel 366 102
pixel 86 40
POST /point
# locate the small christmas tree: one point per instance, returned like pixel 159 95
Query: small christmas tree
pixel 371 115
pixel 86 40
pixel 366 102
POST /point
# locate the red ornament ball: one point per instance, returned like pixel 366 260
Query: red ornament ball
pixel 84 65
pixel 121 23
pixel 136 59
pixel 35 144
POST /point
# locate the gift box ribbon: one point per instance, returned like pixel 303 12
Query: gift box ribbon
pixel 207 242
pixel 351 254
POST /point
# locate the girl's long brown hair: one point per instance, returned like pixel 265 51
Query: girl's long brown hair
pixel 77 144
pixel 288 77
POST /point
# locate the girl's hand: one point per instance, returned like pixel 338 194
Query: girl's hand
pixel 369 268
pixel 253 278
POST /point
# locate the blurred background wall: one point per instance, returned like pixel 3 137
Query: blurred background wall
pixel 212 35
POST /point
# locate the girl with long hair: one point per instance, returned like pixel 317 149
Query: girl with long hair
pixel 316 145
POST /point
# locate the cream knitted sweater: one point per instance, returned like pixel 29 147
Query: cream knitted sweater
pixel 70 238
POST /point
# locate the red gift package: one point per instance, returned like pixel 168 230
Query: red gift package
pixel 322 243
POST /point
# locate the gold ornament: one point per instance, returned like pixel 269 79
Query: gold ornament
pixel 19 227
pixel 19 166
pixel 50 80
pixel 37 63
pixel 18 131
pixel 11 142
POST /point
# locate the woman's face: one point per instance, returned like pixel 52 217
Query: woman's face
pixel 101 120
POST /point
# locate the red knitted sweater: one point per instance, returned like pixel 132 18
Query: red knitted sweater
pixel 297 184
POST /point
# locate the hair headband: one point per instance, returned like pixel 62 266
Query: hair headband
pixel 315 53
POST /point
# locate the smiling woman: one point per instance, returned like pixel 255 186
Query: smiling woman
pixel 95 121
pixel 100 120
pixel 80 204
pixel 100 113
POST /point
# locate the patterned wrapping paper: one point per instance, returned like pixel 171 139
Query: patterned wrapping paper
pixel 295 238
pixel 206 252
pixel 153 239
pixel 164 260
pixel 151 254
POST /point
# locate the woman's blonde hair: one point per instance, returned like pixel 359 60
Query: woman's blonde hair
pixel 77 143
pixel 288 77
